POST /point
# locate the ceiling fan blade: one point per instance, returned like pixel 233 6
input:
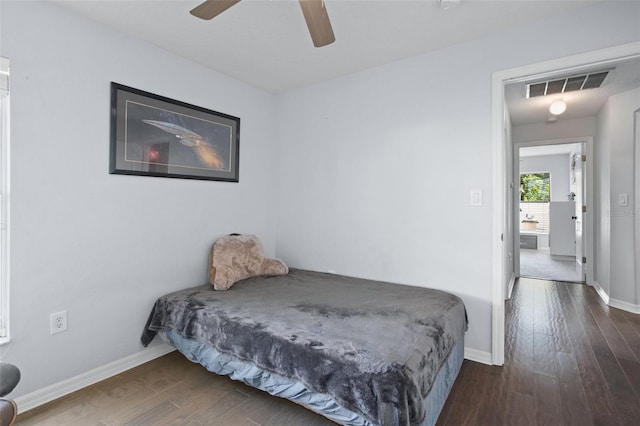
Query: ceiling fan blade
pixel 212 8
pixel 318 22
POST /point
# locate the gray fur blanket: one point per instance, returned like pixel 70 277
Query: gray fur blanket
pixel 374 347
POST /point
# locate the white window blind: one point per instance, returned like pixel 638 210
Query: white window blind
pixel 4 199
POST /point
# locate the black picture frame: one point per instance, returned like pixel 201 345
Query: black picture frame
pixel 152 135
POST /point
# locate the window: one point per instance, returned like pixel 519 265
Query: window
pixel 535 187
pixel 535 194
pixel 4 200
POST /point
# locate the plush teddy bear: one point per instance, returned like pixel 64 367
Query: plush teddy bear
pixel 236 257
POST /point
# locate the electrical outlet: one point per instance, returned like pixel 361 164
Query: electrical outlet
pixel 58 322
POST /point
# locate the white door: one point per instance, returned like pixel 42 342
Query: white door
pixel 562 228
pixel 577 183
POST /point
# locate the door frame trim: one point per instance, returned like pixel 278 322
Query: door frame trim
pixel 588 233
pixel 636 200
pixel 499 207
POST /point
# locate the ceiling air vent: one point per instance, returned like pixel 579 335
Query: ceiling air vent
pixel 567 84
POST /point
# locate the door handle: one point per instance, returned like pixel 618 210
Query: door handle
pixel 574 217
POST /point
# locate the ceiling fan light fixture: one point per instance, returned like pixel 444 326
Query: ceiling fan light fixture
pixel 315 14
pixel 212 8
pixel 314 11
pixel 557 107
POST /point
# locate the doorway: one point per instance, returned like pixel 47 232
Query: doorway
pixel 502 235
pixel 549 236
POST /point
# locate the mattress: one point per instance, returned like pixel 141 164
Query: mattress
pixel 374 348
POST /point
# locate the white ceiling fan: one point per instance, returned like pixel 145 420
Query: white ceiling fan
pixel 314 12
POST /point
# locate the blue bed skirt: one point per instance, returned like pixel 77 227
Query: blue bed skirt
pixel 284 387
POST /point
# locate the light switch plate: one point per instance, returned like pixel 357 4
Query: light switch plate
pixel 475 197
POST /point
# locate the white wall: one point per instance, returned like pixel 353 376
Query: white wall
pixel 377 166
pixel 103 246
pixel 561 129
pixel 615 146
pixel 602 202
pixel 374 179
pixel 558 168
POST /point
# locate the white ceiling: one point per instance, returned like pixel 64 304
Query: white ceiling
pixel 266 44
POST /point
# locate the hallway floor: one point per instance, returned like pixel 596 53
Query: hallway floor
pixel 569 360
pixel 540 264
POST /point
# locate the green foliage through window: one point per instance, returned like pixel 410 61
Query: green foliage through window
pixel 535 187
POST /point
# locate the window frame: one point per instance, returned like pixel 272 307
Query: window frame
pixel 4 201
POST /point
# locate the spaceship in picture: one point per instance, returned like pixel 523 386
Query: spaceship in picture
pixel 205 152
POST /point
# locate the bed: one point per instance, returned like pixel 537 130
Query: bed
pixel 359 352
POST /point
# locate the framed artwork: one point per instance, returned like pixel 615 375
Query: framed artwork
pixel 156 136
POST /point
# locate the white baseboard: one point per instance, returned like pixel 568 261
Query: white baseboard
pixel 477 356
pixel 625 306
pixel 562 257
pixel 603 294
pixel 57 390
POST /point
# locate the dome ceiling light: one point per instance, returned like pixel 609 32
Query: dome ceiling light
pixel 557 107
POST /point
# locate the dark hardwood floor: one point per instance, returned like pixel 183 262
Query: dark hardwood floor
pixel 570 360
